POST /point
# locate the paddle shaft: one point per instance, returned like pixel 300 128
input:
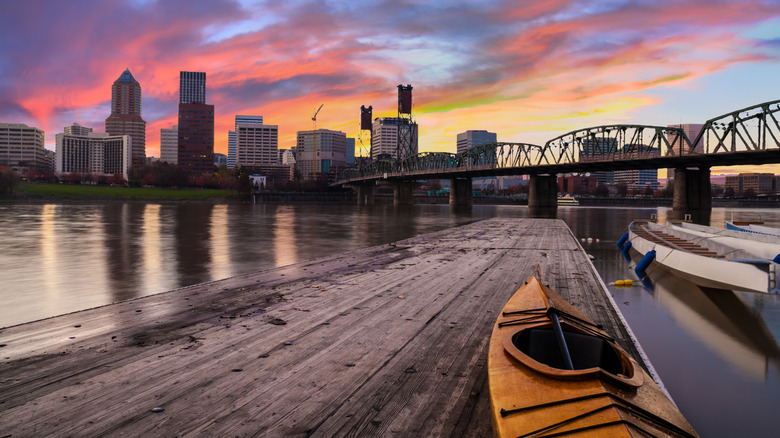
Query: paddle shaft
pixel 552 313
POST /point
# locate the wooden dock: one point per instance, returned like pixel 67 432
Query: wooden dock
pixel 389 340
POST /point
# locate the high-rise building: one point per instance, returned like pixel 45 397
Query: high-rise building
pixel 691 131
pixel 220 159
pixel 638 180
pixel 596 148
pixel 125 118
pixel 192 87
pixel 169 144
pixel 76 129
pixel 287 157
pixel 79 150
pixel 759 183
pixel 321 152
pixel 231 158
pixel 249 120
pixel 256 144
pixel 22 149
pixel 350 151
pixel 469 139
pixel 384 137
pixel 196 125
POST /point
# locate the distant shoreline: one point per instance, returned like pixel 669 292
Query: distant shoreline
pixel 40 192
pixel 67 193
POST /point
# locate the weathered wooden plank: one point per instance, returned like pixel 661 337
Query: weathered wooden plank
pixel 384 340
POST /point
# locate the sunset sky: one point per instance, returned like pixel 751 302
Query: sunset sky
pixel 527 70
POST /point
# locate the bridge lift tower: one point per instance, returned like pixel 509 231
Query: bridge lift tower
pixel 405 145
pixel 366 124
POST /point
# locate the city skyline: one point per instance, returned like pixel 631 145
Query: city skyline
pixel 528 73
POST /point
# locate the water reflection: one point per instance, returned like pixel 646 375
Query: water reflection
pixel 284 239
pixel 48 248
pixel 191 242
pixel 720 319
pixel 152 257
pixel 219 224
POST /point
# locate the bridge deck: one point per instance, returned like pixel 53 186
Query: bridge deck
pixel 386 340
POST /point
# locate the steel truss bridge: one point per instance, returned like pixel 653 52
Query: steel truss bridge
pixel 746 136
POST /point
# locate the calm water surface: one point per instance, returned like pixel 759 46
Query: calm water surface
pixel 716 351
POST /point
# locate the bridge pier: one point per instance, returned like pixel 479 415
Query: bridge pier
pixel 692 194
pixel 460 193
pixel 402 193
pixel 543 195
pixel 365 193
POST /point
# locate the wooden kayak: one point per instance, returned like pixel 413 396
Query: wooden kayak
pixel 604 393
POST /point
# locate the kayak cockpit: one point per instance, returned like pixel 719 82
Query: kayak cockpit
pixel 586 351
pixel 591 355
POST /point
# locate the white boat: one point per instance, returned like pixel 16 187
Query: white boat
pixel 724 263
pixel 567 200
pixel 755 228
pixel 730 233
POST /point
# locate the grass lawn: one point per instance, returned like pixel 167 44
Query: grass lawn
pixel 68 191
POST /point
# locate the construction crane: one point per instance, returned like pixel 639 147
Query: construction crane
pixel 314 118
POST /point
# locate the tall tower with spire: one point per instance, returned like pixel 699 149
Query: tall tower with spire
pixel 125 118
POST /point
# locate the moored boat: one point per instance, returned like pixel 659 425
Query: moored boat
pixel 567 200
pixel 755 228
pixel 724 263
pixel 729 232
pixel 553 372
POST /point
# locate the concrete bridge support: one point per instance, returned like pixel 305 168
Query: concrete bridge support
pixel 402 193
pixel 692 194
pixel 460 193
pixel 543 196
pixel 365 193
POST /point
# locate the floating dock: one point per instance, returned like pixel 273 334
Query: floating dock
pixel 388 340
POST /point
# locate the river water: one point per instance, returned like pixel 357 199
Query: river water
pixel 716 351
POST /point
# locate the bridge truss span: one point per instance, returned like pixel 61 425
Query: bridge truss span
pixel 749 136
pixel 488 156
pixel 616 142
pixel 753 128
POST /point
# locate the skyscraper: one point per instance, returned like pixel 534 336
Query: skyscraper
pixel 691 131
pixel 469 139
pixel 330 155
pixel 231 159
pixel 21 148
pixel 169 145
pixel 79 150
pixel 256 143
pixel 125 118
pixel 192 87
pixel 196 125
pixel 384 139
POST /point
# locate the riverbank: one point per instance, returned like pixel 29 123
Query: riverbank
pixel 78 192
pixel 37 192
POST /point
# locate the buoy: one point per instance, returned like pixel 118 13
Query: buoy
pixel 590 239
pixel 619 283
pixel 644 263
pixel 625 249
pixel 622 240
